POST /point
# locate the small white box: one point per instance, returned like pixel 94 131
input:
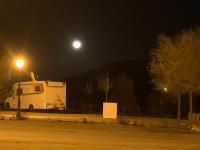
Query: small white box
pixel 110 110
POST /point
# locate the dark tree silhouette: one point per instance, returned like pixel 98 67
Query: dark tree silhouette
pixel 123 91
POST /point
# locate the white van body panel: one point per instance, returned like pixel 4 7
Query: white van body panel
pixel 39 94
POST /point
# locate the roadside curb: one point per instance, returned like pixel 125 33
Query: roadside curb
pixel 151 123
pixel 80 118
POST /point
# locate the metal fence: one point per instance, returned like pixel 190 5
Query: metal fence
pixel 124 110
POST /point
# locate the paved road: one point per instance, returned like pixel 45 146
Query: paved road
pixel 41 135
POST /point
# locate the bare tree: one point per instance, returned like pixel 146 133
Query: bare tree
pixel 105 84
pixel 175 65
pixel 89 90
pixel 5 70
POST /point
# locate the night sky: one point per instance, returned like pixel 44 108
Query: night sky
pixel 111 31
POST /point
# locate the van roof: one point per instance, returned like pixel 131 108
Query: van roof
pixel 53 83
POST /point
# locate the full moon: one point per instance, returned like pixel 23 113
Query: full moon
pixel 76 44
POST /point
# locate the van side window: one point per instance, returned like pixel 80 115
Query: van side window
pixel 39 88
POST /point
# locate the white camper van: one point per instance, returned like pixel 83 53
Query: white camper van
pixel 38 95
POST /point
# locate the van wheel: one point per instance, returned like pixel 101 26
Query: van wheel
pixel 7 106
pixel 31 108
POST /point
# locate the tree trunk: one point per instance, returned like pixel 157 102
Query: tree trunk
pixel 107 82
pixel 191 105
pixel 106 95
pixel 89 103
pixel 179 106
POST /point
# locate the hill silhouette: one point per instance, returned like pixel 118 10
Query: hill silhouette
pixel 135 70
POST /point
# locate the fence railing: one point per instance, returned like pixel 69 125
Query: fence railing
pixel 125 110
pixel 122 110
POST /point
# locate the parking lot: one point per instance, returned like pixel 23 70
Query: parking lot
pixel 30 134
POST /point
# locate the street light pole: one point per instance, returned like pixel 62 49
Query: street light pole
pixel 18 115
pixel 19 64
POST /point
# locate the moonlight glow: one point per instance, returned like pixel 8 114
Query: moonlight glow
pixel 76 44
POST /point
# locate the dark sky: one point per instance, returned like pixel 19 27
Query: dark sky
pixel 111 30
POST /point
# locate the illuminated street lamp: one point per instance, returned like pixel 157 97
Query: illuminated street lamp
pixel 165 89
pixel 19 64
